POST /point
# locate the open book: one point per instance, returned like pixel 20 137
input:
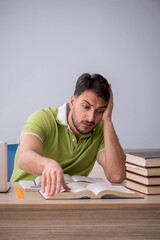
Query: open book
pixel 93 190
pixel 31 186
pixel 78 178
pixel 35 185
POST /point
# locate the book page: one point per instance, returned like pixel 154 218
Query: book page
pixel 77 191
pixel 77 178
pixel 37 181
pixel 26 184
pixel 67 176
pixel 98 187
pixel 122 189
pixel 29 185
pixel 75 187
pixel 132 166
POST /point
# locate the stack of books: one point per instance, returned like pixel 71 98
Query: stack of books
pixel 143 171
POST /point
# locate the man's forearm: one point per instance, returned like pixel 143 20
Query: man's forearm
pixel 114 154
pixel 31 162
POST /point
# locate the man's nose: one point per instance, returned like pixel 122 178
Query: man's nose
pixel 90 116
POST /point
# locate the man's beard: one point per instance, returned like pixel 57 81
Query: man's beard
pixel 77 125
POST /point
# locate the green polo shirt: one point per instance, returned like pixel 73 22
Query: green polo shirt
pixel 60 143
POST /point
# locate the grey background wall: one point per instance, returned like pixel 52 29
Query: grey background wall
pixel 45 45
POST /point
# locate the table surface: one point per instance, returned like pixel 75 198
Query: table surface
pixel 33 200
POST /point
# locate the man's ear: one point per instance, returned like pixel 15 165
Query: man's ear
pixel 72 101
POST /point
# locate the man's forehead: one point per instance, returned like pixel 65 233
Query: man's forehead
pixel 92 99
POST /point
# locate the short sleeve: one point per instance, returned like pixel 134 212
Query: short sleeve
pixel 38 123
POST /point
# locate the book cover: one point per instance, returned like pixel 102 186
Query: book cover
pixel 150 154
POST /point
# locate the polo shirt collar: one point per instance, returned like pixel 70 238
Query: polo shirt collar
pixel 62 114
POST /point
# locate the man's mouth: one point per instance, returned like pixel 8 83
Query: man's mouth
pixel 87 124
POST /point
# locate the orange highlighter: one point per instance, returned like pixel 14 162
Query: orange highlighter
pixel 19 192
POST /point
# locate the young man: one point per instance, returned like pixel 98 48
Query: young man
pixel 70 138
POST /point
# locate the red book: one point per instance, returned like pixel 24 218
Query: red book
pixel 139 187
pixel 145 171
pixel 147 180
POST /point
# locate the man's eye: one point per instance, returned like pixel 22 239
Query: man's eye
pixel 85 107
pixel 100 111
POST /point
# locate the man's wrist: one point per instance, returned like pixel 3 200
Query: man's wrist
pixel 107 121
pixel 44 163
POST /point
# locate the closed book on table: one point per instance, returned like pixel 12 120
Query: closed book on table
pixel 145 171
pixel 149 190
pixel 147 180
pixel 144 158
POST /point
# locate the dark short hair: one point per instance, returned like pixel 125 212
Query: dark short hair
pixel 95 82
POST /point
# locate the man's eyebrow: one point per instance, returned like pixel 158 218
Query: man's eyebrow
pixel 103 106
pixel 87 102
pixel 92 104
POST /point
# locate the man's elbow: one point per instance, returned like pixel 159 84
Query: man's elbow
pixel 117 177
pixel 20 161
pixel 20 165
